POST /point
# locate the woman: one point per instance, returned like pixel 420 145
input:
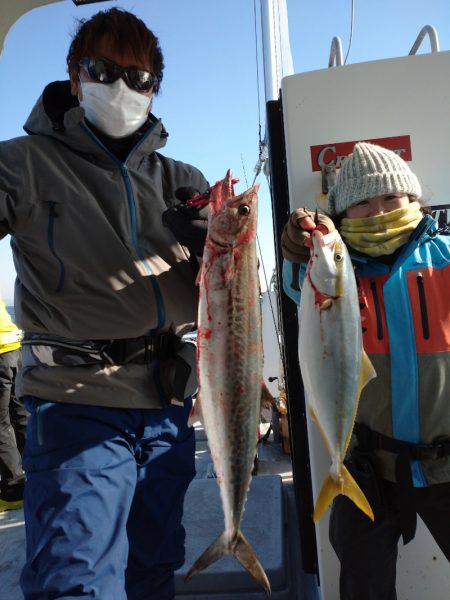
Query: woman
pixel 400 451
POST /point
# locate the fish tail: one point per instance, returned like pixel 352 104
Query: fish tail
pixel 241 549
pixel 215 551
pixel 346 486
pixel 247 557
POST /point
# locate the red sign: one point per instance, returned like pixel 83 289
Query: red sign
pixel 334 154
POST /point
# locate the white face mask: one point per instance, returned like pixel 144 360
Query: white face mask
pixel 114 108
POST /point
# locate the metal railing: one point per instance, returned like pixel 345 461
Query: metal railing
pixel 336 57
pixel 335 53
pixel 432 34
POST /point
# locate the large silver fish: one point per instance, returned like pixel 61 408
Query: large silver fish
pixel 230 362
pixel 333 363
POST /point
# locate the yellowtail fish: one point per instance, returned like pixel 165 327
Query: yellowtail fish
pixel 333 363
pixel 230 365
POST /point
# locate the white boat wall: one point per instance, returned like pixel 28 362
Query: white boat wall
pixel 316 129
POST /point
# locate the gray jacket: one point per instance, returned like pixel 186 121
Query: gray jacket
pixel 93 259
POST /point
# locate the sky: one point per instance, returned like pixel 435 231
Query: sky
pixel 212 98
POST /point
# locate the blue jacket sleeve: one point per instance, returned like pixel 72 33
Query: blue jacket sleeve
pixel 287 280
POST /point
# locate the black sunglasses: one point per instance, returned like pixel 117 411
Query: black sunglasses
pixel 103 70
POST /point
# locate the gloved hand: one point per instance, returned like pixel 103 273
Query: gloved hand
pixel 189 224
pixel 295 239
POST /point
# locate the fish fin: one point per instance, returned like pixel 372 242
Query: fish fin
pixel 247 557
pixel 352 490
pixel 267 400
pixel 241 549
pixel 313 416
pixel 346 486
pixel 196 413
pixel 367 372
pixel 326 304
pixel 215 551
pixel 326 495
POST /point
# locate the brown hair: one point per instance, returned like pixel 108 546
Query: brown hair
pixel 127 33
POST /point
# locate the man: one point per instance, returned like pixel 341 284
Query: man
pixel 13 416
pixel 104 292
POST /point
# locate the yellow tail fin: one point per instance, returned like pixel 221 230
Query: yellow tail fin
pixel 346 486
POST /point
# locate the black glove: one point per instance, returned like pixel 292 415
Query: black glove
pixel 189 224
pixel 293 237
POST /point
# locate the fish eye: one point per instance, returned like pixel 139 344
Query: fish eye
pixel 244 210
pixel 338 257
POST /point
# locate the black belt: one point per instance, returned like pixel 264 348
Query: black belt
pixel 370 440
pixel 172 369
pixel 140 350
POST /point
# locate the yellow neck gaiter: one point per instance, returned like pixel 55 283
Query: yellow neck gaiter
pixel 382 234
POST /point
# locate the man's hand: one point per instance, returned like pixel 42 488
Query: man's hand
pixel 296 237
pixel 189 224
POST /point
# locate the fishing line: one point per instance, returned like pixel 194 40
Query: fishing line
pixel 257 236
pixel 261 262
pixel 272 310
pixel 243 169
pixel 352 21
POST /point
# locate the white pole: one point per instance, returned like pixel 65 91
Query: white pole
pixel 277 57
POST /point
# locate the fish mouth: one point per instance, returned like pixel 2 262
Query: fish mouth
pixel 222 192
pixel 325 239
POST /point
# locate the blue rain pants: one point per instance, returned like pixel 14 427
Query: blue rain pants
pixel 104 500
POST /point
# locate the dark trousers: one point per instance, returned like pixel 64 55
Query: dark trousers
pixel 13 424
pixel 104 500
pixel 367 550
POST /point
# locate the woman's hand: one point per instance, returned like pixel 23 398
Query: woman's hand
pixel 296 237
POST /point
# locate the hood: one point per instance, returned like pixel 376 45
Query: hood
pixel 58 114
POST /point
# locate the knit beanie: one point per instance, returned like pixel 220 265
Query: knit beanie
pixel 371 171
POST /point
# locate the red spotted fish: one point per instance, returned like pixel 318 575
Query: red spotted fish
pixel 333 363
pixel 230 363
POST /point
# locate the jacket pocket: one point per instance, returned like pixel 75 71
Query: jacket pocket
pixel 376 303
pixel 52 216
pixel 423 306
